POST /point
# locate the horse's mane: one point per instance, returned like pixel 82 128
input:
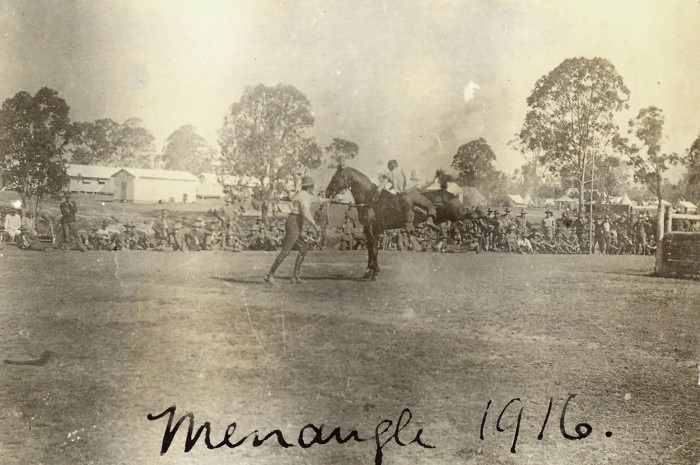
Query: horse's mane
pixel 359 175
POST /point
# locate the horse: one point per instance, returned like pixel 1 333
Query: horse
pixel 379 212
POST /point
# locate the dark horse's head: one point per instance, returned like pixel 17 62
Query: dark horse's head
pixel 349 178
pixel 338 184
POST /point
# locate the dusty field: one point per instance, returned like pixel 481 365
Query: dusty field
pixel 134 333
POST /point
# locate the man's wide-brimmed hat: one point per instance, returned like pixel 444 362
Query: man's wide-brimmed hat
pixel 307 181
pixel 549 212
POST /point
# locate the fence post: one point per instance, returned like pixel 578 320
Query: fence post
pixel 669 220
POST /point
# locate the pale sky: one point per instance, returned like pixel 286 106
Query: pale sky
pixel 411 80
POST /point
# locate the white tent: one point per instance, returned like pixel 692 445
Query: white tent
pixel 527 200
pixel 515 200
pixel 625 200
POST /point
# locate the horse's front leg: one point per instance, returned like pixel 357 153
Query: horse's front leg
pixel 369 238
pixel 375 252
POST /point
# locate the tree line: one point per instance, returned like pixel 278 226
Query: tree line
pixel 569 139
pixel 264 137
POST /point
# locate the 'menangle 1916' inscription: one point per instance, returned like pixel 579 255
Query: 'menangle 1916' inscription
pixel 308 435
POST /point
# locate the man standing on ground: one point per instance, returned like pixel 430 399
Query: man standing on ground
pixel 68 211
pixel 549 225
pixel 162 230
pixel 640 236
pixel 321 217
pixel 607 234
pixel 521 223
pixel 229 227
pixel 301 210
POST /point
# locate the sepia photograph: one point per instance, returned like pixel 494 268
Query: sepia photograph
pixel 322 232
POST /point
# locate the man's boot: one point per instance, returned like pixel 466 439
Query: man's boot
pixel 297 269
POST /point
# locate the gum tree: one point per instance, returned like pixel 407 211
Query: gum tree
pixel 264 137
pixel 34 133
pixel 570 118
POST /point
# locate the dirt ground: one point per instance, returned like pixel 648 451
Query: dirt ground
pixel 96 341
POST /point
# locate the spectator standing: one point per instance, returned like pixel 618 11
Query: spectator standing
pixel 68 222
pixel 322 220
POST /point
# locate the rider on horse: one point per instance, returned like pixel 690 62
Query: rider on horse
pixel 395 181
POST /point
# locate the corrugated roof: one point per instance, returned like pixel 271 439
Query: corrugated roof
pixel 90 171
pixel 159 174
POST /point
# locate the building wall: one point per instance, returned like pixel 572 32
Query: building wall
pixel 91 185
pixel 153 190
pixel 117 183
pixel 208 189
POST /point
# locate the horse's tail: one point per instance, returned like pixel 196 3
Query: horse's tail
pixel 443 177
